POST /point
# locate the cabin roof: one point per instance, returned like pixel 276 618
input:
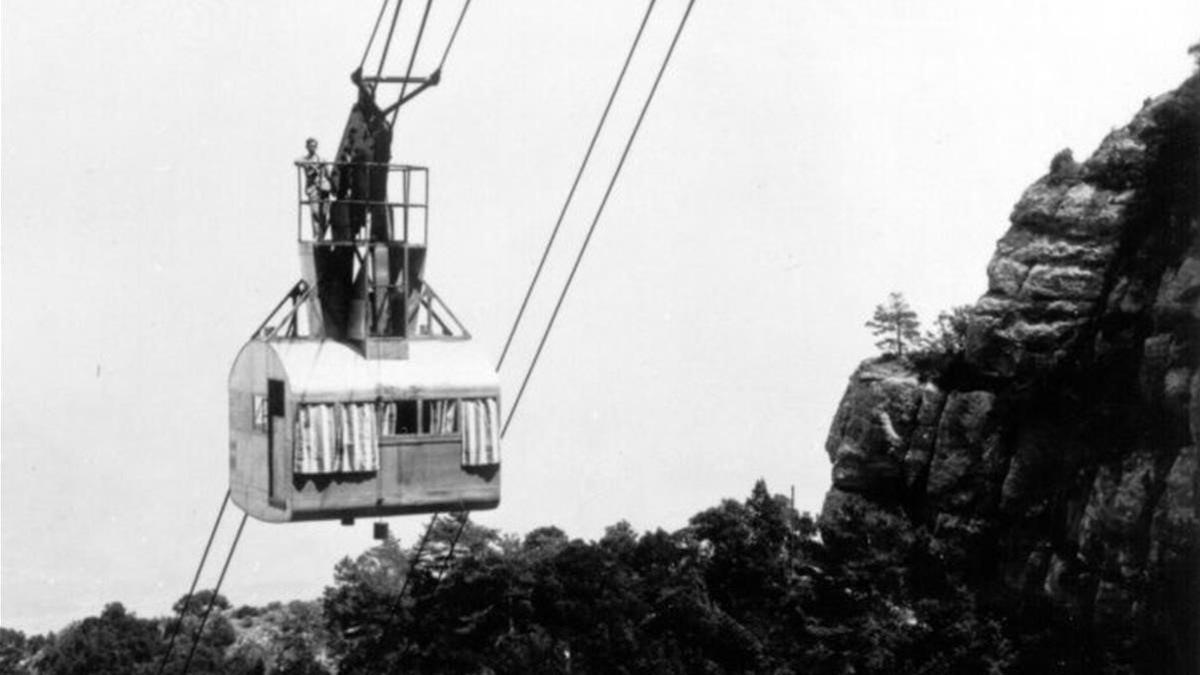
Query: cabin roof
pixel 321 369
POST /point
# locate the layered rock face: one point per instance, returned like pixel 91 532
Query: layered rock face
pixel 1065 441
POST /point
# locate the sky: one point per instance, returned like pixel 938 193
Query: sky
pixel 800 161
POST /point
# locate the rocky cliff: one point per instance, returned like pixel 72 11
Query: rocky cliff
pixel 1061 446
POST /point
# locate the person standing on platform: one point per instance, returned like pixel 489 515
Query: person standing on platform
pixel 316 187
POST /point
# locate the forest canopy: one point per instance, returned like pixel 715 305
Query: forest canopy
pixel 746 586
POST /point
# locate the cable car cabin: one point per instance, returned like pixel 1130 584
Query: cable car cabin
pixel 318 431
pixel 361 394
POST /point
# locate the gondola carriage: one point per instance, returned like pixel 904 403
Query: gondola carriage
pixel 361 394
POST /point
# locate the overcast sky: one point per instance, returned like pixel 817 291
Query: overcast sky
pixel 801 160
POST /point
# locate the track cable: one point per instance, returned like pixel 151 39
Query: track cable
pixel 596 219
pixel 574 185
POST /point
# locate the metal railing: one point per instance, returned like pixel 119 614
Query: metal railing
pixel 357 203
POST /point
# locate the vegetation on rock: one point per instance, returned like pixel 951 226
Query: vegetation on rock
pixel 896 324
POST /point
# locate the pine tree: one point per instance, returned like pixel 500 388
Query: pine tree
pixel 897 323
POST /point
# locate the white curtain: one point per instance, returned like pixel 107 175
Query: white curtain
pixel 442 417
pixel 336 438
pixel 481 432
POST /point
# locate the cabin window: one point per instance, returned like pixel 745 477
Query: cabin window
pixel 398 418
pixel 439 417
pixel 336 438
pixel 260 412
pixel 481 432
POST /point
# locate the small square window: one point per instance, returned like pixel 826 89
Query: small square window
pixel 260 412
pixel 399 418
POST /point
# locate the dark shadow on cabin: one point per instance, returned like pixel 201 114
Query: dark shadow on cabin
pixel 322 482
pixel 486 472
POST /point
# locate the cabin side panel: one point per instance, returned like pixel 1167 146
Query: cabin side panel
pixel 250 424
pixel 416 475
pixel 334 494
pixel 429 472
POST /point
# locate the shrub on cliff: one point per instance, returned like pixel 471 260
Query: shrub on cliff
pixel 949 333
pixel 936 354
pixel 942 349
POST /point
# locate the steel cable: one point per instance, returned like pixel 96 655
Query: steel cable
pixel 453 35
pixel 574 185
pixel 388 45
pixel 216 591
pixel 187 599
pixel 596 219
pixel 412 59
pixel 371 41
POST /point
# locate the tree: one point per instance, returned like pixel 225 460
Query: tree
pixel 115 642
pixel 301 633
pixel 545 540
pixel 207 650
pixel 361 609
pixel 198 602
pixel 14 648
pixel 897 323
pixel 210 646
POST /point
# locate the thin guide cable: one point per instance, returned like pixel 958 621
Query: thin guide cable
pixel 574 185
pixel 599 211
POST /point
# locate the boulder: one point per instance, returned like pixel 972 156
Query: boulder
pixel 870 435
